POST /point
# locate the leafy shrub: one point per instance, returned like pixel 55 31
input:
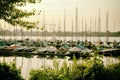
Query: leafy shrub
pixel 9 72
pixel 113 72
pixel 95 71
pixel 89 70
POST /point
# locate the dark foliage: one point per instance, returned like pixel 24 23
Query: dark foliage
pixel 9 72
pixel 11 14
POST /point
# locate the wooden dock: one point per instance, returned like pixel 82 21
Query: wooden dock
pixel 110 52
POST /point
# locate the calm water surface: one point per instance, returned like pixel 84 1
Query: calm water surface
pixel 92 39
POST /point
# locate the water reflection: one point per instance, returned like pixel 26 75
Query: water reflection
pixel 35 62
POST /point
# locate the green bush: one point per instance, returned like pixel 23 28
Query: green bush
pixel 39 75
pixel 65 72
pixel 9 72
pixel 113 72
pixel 92 69
pixel 95 71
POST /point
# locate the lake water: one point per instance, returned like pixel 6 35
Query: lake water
pixel 92 39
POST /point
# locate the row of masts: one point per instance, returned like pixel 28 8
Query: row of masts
pixel 93 23
pixel 94 26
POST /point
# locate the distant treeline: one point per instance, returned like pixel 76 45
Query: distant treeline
pixel 59 33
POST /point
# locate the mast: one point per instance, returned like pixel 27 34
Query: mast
pixel 76 23
pixel 90 28
pixel 31 34
pixel 59 28
pixel 114 29
pixel 53 30
pixel 43 25
pixel 0 28
pixel 95 27
pixel 65 25
pixel 82 29
pixel 114 26
pixel 22 33
pixel 14 34
pixel 99 26
pixel 85 30
pixel 107 27
pixel 4 30
pixel 10 32
pixel 72 30
pixel 95 24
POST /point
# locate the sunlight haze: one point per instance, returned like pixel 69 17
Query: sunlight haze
pixel 87 9
pixel 54 10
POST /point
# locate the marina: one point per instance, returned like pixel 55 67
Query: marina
pixel 57 48
pixel 59 40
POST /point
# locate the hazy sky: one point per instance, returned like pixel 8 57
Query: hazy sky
pixel 88 9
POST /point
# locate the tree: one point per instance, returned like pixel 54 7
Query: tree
pixel 11 14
